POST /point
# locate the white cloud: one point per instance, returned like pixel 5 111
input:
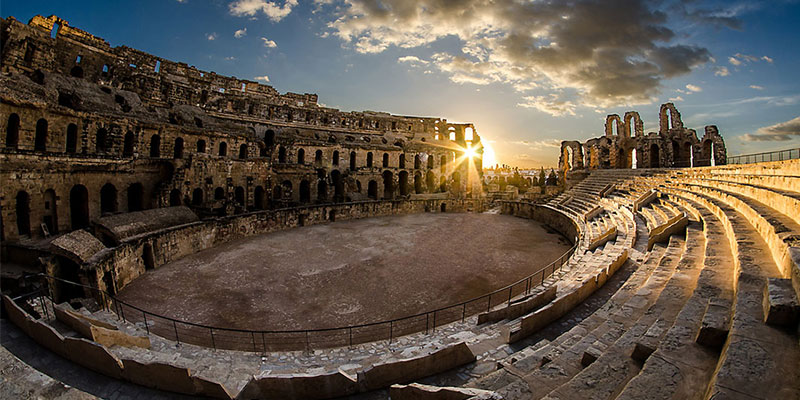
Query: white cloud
pixel 756 87
pixel 240 33
pixel 263 78
pixel 551 105
pixel 413 60
pixel 271 9
pixel 548 45
pixel 676 98
pixel 211 36
pixel 779 132
pixel 734 61
pixel 230 58
pixel 767 59
pixel 269 43
pixel 722 71
pixel 694 88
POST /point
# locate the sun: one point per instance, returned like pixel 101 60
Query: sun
pixel 470 152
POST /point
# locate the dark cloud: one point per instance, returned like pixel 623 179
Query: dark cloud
pixel 604 52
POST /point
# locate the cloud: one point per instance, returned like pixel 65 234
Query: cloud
pixel 271 9
pixel 756 87
pixel 724 17
pixel 734 61
pixel 767 59
pixel 269 43
pixel 263 78
pixel 413 60
pixel 739 59
pixel 211 36
pixel 722 71
pixel 694 88
pixel 780 132
pixel 240 33
pixel 676 98
pixel 551 105
pixel 546 45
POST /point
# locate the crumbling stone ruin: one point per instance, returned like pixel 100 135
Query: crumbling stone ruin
pixel 624 145
pixel 681 280
pixel 91 130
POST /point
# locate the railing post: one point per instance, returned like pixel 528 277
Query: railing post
pixel 391 330
pixel 308 343
pixel 350 332
pixel 253 334
pixel 464 313
pixel 510 290
pixel 213 342
pixel 144 317
pixel 264 342
pixel 175 327
pixel 122 312
pixel 434 321
pixel 489 303
pixel 426 322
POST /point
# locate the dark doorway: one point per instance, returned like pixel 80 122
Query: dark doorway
pixel 79 207
pixel 23 214
pixel 108 199
pixel 135 197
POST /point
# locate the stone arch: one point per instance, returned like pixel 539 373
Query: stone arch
pixel 322 190
pixel 155 146
pixel 613 125
pixel 318 156
pixel 243 151
pixel 282 155
pixel 418 186
pixel 219 193
pixel 197 197
pixel 403 182
pixel 201 146
pixel 23 213
pixel 269 138
pixel 79 207
pixel 135 197
pixel 50 215
pixel 40 138
pixel 430 180
pixel 369 159
pixel 335 158
pixel 177 149
pixel 655 156
pixel 174 198
pixel 635 130
pixel 259 198
pixel 669 118
pixel 301 156
pixel 388 184
pixel 76 72
pixel 127 145
pixel 12 131
pixel 372 190
pixel 338 185
pixel 430 161
pixel 239 196
pixel 108 199
pixel 305 191
pixel 401 160
pixel 385 160
pixel 223 149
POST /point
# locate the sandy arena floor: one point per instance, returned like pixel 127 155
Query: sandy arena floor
pixel 347 272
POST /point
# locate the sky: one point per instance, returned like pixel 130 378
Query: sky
pixel 528 74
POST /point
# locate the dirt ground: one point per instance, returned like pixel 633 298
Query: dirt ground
pixel 349 272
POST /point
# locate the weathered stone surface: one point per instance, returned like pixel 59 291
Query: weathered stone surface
pixel 780 303
pixel 715 326
pixel 299 386
pixel 417 391
pixel 401 371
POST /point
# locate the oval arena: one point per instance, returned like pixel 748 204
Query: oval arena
pixel 173 233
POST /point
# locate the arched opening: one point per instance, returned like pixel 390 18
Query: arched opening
pixel 23 213
pixel 352 161
pixel 40 140
pixel 655 156
pixel 442 184
pixel 262 150
pixel 417 162
pixel 12 131
pixel 388 185
pixel 444 163
pixel 418 183
pixel 174 198
pixel 76 72
pixel 369 160
pixel 372 190
pixel 101 140
pixel 332 215
pixel 322 191
pixel 223 149
pixel 623 158
pixel 135 197
pixel 305 191
pixel 72 139
pixel 79 207
pixel 197 197
pixel 269 138
pixel 219 193
pixel 258 198
pixel 239 197
pixel 50 216
pixel 335 160
pixel 282 155
pixel 403 183
pixel 688 154
pixel 301 156
pixel 243 151
pixel 385 160
pixel 287 189
pixel 108 199
pixel 705 154
pixel 318 156
pixel 201 146
pixel 430 180
pixel 148 257
pixel 155 146
pixel 277 193
pixel 443 207
pixel 338 186
pixel 177 149
pixel 430 162
pixel 456 181
pixel 634 160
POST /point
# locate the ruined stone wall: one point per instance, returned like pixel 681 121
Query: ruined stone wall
pixel 78 113
pixel 624 145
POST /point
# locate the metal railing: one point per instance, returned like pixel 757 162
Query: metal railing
pixel 262 341
pixel 778 155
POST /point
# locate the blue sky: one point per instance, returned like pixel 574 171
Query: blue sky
pixel 528 74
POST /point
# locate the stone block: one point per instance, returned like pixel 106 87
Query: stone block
pixel 299 386
pixel 590 355
pixel 780 303
pixel 715 326
pixel 417 391
pixel 159 375
pixel 401 371
pixel 94 356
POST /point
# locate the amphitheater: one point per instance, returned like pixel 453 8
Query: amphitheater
pixel 172 233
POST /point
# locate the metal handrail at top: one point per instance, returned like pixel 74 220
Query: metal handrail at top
pixel 778 155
